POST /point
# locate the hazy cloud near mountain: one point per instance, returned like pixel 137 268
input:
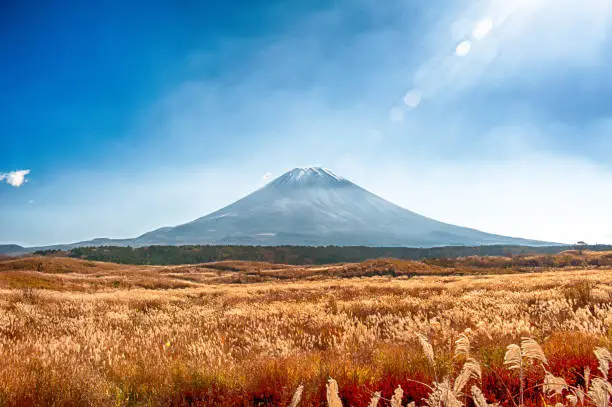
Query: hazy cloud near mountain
pixel 550 198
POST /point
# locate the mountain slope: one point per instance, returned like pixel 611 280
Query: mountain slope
pixel 313 206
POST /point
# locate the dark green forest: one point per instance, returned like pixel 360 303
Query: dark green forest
pixel 298 255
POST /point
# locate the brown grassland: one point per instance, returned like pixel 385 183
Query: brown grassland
pixel 470 332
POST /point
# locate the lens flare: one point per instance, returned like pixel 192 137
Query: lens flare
pixel 413 98
pixel 463 48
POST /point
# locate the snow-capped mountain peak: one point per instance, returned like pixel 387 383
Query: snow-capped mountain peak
pixel 309 176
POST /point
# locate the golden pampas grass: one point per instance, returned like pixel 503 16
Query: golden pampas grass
pixel 297 396
pixel 513 359
pixel 462 346
pixel 427 348
pixel 333 399
pixel 470 370
pixel 553 385
pixel 604 358
pixel 532 350
pixel 375 399
pixel 478 397
pixel 398 395
pixel 442 395
pixel 587 377
pixel 600 392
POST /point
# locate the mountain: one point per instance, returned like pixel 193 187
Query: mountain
pixel 11 249
pixel 310 207
pixel 314 206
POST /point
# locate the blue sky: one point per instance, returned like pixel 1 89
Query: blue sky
pixel 119 118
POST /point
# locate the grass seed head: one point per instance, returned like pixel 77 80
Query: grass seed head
pixel 604 358
pixel 513 359
pixel 333 399
pixel 398 395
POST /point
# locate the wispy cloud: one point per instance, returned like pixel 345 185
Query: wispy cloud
pixel 15 178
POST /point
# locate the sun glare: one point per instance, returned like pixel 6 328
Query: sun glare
pixel 483 28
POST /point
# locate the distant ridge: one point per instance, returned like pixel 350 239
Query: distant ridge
pixel 12 249
pixel 313 207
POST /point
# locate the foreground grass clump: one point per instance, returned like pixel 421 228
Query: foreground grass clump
pixel 100 334
pixel 595 390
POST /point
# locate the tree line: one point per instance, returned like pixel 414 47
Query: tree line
pixel 298 255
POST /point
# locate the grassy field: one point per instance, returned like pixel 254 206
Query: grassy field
pixel 75 332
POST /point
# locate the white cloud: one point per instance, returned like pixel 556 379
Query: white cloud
pixel 15 178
